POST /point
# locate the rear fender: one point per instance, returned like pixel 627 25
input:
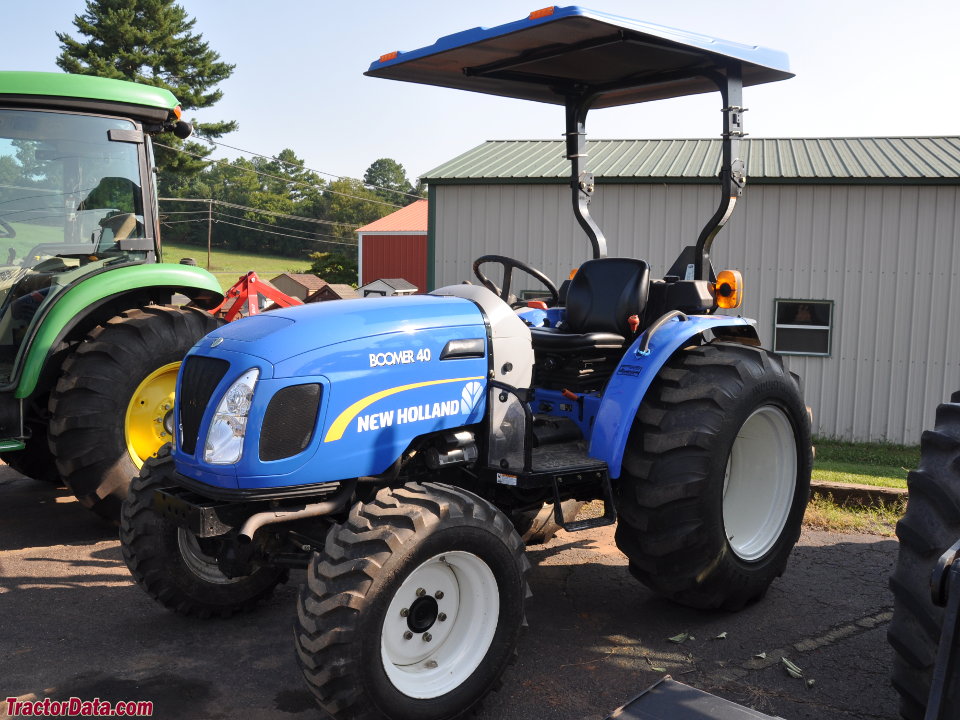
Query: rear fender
pixel 636 371
pixel 76 302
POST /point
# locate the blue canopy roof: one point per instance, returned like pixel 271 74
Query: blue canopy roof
pixel 562 50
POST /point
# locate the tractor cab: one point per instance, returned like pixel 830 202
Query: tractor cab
pixel 582 59
pixel 76 196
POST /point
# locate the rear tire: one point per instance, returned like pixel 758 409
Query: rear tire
pixel 170 564
pixel 98 387
pixel 716 477
pixel 413 609
pixel 929 527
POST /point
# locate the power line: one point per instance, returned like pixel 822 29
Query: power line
pixel 306 233
pixel 289 181
pixel 208 201
pixel 336 240
pixel 319 172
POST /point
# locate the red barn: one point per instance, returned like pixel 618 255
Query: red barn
pixel 395 246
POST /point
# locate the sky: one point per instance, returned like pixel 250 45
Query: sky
pixel 863 68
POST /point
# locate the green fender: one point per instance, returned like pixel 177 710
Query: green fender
pixel 73 301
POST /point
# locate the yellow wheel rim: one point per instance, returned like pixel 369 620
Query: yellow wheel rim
pixel 151 402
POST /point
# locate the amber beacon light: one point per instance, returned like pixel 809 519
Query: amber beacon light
pixel 729 289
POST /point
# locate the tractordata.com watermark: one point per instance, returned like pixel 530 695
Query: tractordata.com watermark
pixel 75 707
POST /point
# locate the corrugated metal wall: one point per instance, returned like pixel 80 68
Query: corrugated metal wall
pixel 884 254
pixel 395 256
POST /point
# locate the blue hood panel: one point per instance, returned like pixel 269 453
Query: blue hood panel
pixel 384 376
pixel 283 334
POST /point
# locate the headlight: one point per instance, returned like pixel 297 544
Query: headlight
pixel 224 444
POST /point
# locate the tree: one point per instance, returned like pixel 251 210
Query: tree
pixel 348 201
pixel 388 179
pixel 151 42
pixel 335 267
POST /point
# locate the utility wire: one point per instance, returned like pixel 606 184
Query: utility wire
pixel 318 172
pixel 207 201
pixel 306 233
pixel 335 241
pixel 289 181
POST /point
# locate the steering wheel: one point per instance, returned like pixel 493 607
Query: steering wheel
pixel 8 230
pixel 508 265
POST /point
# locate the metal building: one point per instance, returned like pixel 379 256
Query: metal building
pixel 848 248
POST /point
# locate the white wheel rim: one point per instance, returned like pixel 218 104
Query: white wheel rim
pixel 458 587
pixel 198 562
pixel 760 481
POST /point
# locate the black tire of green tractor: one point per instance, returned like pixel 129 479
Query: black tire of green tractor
pixel 342 611
pixel 671 492
pixel 929 527
pixel 170 564
pixel 89 404
pixel 538 526
pixel 35 460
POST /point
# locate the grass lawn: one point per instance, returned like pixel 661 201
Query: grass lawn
pixel 879 464
pixel 227 266
pixel 824 514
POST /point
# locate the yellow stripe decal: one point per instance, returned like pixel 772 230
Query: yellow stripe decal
pixel 339 425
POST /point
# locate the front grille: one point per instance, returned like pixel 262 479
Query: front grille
pixel 289 421
pixel 201 375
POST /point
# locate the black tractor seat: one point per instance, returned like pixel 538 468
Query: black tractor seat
pixel 581 353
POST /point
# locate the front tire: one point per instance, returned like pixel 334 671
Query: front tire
pixel 109 408
pixel 172 565
pixel 716 477
pixel 929 527
pixel 413 609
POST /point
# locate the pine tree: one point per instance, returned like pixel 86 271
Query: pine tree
pixel 388 179
pixel 151 41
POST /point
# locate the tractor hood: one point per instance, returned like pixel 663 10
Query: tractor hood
pixel 282 335
pixel 351 382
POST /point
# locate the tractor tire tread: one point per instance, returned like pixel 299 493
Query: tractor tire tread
pixel 929 527
pixel 88 406
pixel 140 534
pixel 352 560
pixel 664 528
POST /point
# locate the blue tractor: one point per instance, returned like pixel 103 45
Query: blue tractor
pixel 400 448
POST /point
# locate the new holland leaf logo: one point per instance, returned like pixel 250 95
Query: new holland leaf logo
pixel 470 397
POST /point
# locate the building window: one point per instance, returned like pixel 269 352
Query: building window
pixel 803 327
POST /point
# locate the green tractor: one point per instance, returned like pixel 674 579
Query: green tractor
pixel 90 342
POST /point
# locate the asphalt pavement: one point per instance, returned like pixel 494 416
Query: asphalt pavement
pixel 73 624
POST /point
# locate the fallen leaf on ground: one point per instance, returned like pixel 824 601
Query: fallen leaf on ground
pixel 792 670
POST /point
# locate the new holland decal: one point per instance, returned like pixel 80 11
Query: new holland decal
pixel 463 404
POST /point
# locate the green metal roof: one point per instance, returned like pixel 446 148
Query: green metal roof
pixel 899 160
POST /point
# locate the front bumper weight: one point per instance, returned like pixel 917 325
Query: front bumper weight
pixel 202 517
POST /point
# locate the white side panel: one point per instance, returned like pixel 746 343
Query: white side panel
pixel 510 336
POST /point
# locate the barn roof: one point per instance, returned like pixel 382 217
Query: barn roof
pixel 882 160
pixel 412 218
